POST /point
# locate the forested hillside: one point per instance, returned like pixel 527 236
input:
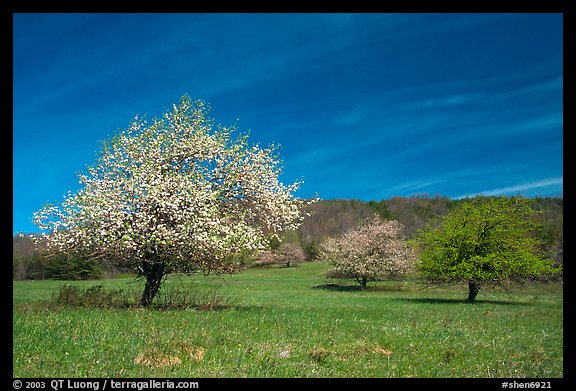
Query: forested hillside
pixel 328 218
pixel 334 217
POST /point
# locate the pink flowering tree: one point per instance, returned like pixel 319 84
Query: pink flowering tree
pixel 374 250
pixel 175 195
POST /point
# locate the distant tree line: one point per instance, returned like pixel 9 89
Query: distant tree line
pixel 327 219
pixel 27 264
pixel 333 218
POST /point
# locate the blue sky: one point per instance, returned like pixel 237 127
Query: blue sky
pixel 365 106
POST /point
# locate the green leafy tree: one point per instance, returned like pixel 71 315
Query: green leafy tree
pixel 485 240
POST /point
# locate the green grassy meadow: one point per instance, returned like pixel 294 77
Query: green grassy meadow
pixel 285 322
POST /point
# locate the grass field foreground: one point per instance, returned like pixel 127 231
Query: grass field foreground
pixel 287 322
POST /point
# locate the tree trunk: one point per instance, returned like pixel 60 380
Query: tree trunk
pixel 154 274
pixel 363 283
pixel 473 289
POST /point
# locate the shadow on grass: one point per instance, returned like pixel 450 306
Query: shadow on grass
pixel 337 287
pixel 370 288
pixel 460 301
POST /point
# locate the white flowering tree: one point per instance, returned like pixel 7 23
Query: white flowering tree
pixel 374 250
pixel 175 195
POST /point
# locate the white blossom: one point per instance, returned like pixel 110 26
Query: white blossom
pixel 374 250
pixel 176 191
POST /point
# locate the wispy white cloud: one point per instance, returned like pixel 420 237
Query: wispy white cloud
pixel 453 100
pixel 448 96
pixel 521 188
pixel 412 186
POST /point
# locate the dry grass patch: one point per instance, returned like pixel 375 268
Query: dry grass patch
pixel 178 351
pixel 156 359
